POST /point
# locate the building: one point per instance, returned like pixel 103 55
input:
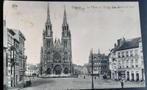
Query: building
pixel 77 69
pixel 84 70
pixel 12 42
pixel 22 57
pixel 126 60
pixel 12 57
pixel 100 64
pixel 41 62
pixel 56 56
pixel 5 69
pixel 32 70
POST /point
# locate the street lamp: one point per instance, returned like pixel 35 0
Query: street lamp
pixel 23 68
pixel 92 71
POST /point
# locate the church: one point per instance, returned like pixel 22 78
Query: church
pixel 56 55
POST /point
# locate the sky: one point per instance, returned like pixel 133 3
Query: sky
pixel 93 25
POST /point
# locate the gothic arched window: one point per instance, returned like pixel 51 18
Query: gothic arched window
pixel 48 55
pixel 57 57
pixel 48 43
pixel 65 43
pixel 66 71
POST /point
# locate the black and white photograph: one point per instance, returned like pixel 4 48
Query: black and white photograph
pixel 72 45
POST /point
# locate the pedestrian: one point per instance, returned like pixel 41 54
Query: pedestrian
pixel 30 83
pixel 122 84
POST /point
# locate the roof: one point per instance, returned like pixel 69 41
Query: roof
pixel 16 33
pixel 128 44
pixel 11 31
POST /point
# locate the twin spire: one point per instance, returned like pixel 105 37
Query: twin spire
pixel 48 16
pixel 64 17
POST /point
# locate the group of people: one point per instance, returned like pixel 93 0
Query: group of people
pixel 121 81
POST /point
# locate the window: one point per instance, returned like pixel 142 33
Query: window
pixel 136 60
pixel 132 66
pixel 122 54
pixel 132 60
pixel 136 52
pixel 123 62
pixel 9 55
pixel 65 43
pixel 131 53
pixel 127 54
pixel 127 66
pixel 101 72
pixel 65 53
pixel 118 54
pixel 94 58
pixel 48 43
pixel 113 59
pixel 136 65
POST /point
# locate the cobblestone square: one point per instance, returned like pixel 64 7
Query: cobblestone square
pixel 77 83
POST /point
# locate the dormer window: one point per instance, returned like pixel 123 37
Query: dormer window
pixel 122 54
pixel 131 53
pixel 127 54
pixel 118 54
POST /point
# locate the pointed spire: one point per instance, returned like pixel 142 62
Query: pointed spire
pixel 91 54
pixel 48 15
pixel 64 17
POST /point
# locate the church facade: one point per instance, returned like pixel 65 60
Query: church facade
pixel 56 55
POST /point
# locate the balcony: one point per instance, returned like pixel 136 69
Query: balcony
pixel 22 70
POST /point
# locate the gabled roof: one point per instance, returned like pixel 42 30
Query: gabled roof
pixel 11 31
pixel 129 44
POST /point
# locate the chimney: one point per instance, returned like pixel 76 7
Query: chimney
pixel 120 42
pixel 115 45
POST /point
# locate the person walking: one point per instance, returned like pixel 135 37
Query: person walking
pixel 122 84
pixel 84 76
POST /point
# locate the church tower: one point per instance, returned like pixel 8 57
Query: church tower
pixel 56 56
pixel 48 38
pixel 66 41
pixel 66 35
pixel 48 33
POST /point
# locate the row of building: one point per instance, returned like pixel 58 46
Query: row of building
pixel 125 61
pixel 100 64
pixel 14 58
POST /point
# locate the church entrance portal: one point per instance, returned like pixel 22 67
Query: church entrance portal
pixel 48 71
pixel 57 69
pixel 66 71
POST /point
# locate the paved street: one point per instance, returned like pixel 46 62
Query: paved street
pixel 76 83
